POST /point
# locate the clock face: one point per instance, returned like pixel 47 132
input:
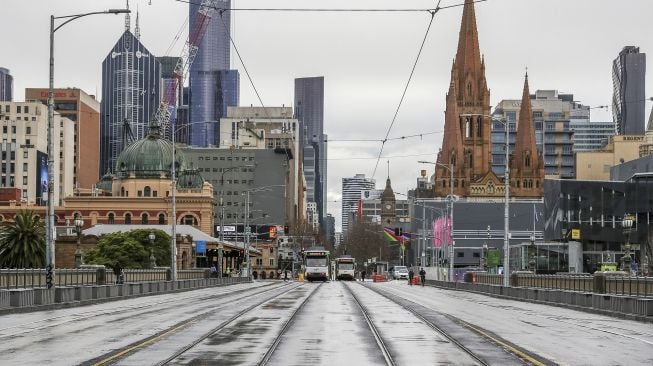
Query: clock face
pixel 387 207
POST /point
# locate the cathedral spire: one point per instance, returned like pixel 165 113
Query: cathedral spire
pixel 468 56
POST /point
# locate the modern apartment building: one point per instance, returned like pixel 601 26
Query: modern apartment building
pixel 6 85
pixel 629 94
pixel 131 85
pixel 352 189
pixel 81 108
pixel 551 115
pixel 24 152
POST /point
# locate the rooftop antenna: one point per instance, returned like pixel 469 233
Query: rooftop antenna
pixel 127 19
pixel 137 29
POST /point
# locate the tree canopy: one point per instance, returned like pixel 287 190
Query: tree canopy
pixel 130 249
pixel 22 242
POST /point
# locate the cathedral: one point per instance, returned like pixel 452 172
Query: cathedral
pixel 465 159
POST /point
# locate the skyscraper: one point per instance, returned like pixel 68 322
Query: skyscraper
pixel 309 110
pixel 351 195
pixel 6 85
pixel 213 86
pixel 628 98
pixel 131 78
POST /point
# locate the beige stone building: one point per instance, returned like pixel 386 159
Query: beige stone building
pixel 24 147
pixel 595 165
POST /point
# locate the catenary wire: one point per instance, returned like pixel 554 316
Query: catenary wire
pixel 420 135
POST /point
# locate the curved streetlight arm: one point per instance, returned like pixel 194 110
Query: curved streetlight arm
pixel 77 16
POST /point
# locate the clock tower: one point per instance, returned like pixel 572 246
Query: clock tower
pixel 388 203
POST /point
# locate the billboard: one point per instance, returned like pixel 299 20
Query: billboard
pixel 41 178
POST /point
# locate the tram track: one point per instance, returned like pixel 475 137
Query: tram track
pixel 75 316
pixel 375 332
pixel 123 352
pixel 524 356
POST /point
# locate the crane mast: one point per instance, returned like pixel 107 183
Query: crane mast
pixel 204 15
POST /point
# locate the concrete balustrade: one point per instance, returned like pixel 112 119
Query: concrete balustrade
pixel 41 298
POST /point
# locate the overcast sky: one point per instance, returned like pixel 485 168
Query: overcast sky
pixel 365 59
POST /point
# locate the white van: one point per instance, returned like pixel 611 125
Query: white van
pixel 400 273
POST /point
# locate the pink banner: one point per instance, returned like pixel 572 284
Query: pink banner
pixel 441 232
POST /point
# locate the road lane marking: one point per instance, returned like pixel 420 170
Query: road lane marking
pixel 512 349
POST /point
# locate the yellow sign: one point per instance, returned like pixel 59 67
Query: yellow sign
pixel 575 234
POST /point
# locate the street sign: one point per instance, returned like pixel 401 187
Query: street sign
pixel 575 234
pixel 201 247
pixel 248 230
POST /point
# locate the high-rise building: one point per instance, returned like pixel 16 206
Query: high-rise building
pixel 351 196
pixel 590 136
pixel 551 111
pixel 6 85
pixel 629 96
pixel 466 142
pixel 331 229
pixel 309 110
pixel 24 152
pixel 84 111
pixel 131 85
pixel 213 86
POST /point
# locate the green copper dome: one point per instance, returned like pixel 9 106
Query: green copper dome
pixel 190 179
pixel 105 183
pixel 150 157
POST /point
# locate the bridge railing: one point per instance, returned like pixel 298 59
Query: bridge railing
pixel 35 277
pixel 615 283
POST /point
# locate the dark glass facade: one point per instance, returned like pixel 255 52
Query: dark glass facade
pixel 309 110
pixel 213 86
pixel 629 96
pixel 6 85
pixel 131 84
pixel 597 209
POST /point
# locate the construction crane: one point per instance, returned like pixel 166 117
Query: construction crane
pixel 204 15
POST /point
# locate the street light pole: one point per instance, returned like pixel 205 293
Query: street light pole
pixel 152 237
pixel 50 224
pixel 79 224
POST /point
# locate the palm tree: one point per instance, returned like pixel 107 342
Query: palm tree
pixel 22 242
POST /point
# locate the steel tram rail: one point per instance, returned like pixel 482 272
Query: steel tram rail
pixel 375 332
pixel 118 354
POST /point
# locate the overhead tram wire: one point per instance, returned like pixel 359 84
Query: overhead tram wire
pixel 420 135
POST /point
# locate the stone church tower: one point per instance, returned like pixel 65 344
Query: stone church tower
pixel 388 204
pixel 466 142
pixel 526 163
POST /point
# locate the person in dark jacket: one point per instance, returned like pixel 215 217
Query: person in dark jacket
pixel 422 276
pixel 363 276
pixel 120 275
pixel 411 274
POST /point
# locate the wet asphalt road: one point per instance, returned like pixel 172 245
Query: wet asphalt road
pixel 317 324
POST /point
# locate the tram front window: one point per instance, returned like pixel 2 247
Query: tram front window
pixel 315 262
pixel 346 266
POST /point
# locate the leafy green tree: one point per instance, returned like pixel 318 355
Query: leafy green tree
pixel 130 249
pixel 22 242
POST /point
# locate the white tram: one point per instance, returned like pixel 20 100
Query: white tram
pixel 345 267
pixel 316 264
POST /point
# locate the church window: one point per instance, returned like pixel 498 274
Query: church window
pixel 517 183
pixel 468 128
pixel 469 89
pixel 479 129
pixel 527 161
pixel 455 183
pixel 462 183
pixel 537 184
pixel 444 183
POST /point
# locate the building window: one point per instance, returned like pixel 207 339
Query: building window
pixel 25 154
pixel 24 167
pixel 13 129
pixel 144 219
pixel 28 130
pixel 4 129
pixel 24 181
pixel 162 219
pixel 112 219
pixel 128 219
pixel 147 191
pixel 189 220
pixel 271 262
pixel 139 193
pixel 460 254
pixel 155 193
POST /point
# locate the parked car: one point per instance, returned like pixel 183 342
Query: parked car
pixel 400 273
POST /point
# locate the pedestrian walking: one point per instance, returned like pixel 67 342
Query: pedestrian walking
pixel 363 276
pixel 422 276
pixel 214 271
pixel 120 275
pixel 411 274
pixel 285 275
